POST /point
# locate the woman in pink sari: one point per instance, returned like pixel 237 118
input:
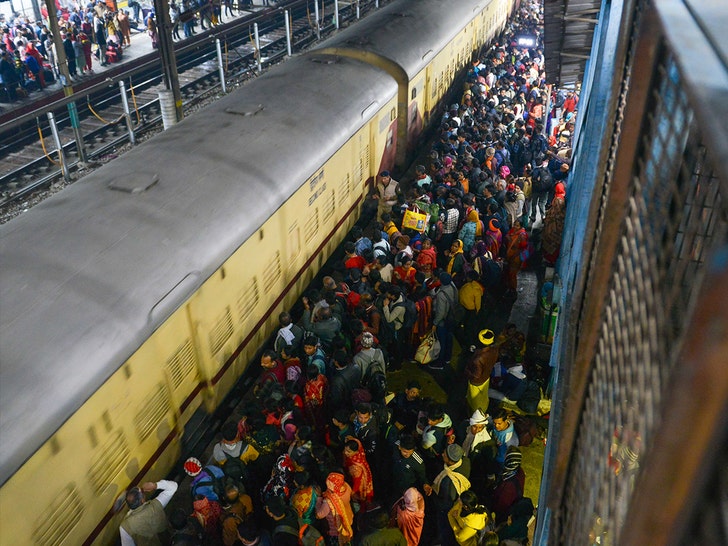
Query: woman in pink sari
pixel 409 511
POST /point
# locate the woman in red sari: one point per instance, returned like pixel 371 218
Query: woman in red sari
pixel 493 238
pixel 356 465
pixel 334 505
pixel 516 253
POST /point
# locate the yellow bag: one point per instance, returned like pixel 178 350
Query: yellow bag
pixel 415 220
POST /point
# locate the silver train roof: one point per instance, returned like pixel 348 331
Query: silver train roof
pixel 81 272
pixel 425 26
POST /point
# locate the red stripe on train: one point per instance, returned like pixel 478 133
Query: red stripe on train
pixel 110 514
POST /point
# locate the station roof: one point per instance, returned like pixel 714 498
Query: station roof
pixel 568 32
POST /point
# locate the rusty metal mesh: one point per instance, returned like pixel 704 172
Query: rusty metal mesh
pixel 675 215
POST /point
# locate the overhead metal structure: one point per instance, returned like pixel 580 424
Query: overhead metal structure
pixel 568 33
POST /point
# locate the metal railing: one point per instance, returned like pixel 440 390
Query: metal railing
pixel 638 455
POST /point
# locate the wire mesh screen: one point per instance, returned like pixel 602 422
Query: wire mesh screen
pixel 675 215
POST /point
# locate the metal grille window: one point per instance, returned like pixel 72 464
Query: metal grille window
pixel 675 215
pixel 329 205
pixel 221 332
pixel 294 241
pixel 344 190
pixel 108 462
pixel 248 301
pixel 58 519
pixel 182 363
pixel 151 413
pixel 272 272
pixel 312 225
pixel 364 162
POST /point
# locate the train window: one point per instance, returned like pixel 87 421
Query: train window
pixel 364 163
pixel 181 364
pixel 127 371
pixel 106 418
pixel 260 234
pixel 108 462
pixel 221 331
pixel 92 436
pixel 414 93
pixel 150 415
pixel 222 273
pixel 390 138
pixel 248 301
pixel 345 190
pixel 55 445
pixel 312 226
pixel 392 114
pixel 294 241
pixel 59 518
pixel 272 273
pixel 329 205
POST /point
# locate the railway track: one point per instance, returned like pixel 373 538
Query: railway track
pixel 31 159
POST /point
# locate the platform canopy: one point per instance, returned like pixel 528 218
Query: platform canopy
pixel 568 32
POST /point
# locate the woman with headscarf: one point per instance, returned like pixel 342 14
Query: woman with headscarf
pixel 467 518
pixel 303 500
pixel 409 512
pixel 510 486
pixel 553 225
pixel 456 263
pixel 334 505
pixel 208 513
pixel 516 253
pixel 357 467
pixel 493 238
pixel 471 230
pixel 447 165
pixel 280 483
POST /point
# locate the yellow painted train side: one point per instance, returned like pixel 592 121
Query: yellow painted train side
pixel 129 431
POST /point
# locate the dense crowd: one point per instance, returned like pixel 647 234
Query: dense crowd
pixel 93 33
pixel 323 452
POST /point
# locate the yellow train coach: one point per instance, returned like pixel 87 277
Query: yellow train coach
pixel 141 293
pixel 135 299
pixel 424 45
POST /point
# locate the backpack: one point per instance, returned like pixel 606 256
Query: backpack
pixel 210 482
pixel 541 180
pixel 236 471
pixel 382 415
pixel 538 147
pixel 526 430
pixel 308 535
pixel 528 401
pixel 456 313
pixel 410 313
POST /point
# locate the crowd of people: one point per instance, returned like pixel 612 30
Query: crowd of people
pixel 323 453
pixel 91 34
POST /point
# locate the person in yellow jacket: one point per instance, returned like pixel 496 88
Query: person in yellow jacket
pixel 468 519
pixel 471 298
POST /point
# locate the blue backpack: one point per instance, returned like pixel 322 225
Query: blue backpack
pixel 210 482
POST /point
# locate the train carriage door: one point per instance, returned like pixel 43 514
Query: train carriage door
pixel 427 95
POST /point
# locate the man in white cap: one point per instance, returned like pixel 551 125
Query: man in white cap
pixel 480 448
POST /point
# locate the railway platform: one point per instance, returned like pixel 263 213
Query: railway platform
pixel 141 45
